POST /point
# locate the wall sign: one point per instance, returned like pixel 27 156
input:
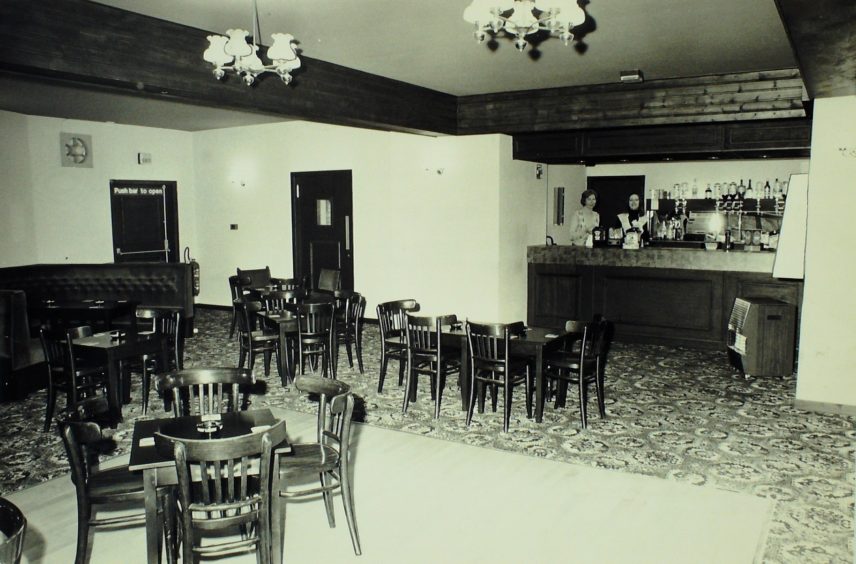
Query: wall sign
pixel 75 150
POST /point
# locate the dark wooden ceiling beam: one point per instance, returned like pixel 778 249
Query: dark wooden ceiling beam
pixel 103 47
pixel 823 36
pixel 731 97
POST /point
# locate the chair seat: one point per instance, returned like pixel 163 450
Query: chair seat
pixel 306 458
pixel 260 336
pixel 116 484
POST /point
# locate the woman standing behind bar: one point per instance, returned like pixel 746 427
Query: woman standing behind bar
pixel 585 219
pixel 634 217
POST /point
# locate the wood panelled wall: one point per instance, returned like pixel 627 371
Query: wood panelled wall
pixel 100 46
pixel 732 97
pixel 88 44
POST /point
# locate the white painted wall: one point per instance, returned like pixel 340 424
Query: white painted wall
pixel 827 332
pixel 426 210
pixel 17 245
pixel 522 209
pixel 573 179
pixel 69 217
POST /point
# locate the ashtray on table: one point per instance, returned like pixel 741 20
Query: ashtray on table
pixel 209 426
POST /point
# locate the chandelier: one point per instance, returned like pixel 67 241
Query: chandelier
pixel 519 18
pixel 235 54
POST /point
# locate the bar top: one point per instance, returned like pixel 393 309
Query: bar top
pixel 654 257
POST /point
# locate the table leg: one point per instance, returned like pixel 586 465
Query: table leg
pixel 465 376
pixel 539 384
pixel 114 373
pixel 153 532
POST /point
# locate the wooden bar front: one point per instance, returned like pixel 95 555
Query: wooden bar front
pixel 663 296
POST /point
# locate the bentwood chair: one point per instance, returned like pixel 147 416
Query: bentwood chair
pixel 425 356
pixel 204 391
pixel 65 373
pixel 393 341
pixel 288 283
pixel 279 300
pixel 329 458
pixel 316 336
pixel 115 487
pixel 349 327
pixel 492 365
pixel 254 340
pixel 581 364
pixel 166 324
pixel 238 292
pixel 224 492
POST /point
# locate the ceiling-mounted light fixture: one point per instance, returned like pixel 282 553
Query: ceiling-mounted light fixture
pixel 235 54
pixel 631 76
pixel 519 18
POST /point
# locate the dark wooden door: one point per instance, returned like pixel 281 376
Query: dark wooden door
pixel 145 221
pixel 613 192
pixel 323 225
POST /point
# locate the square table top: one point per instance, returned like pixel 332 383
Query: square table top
pixel 234 424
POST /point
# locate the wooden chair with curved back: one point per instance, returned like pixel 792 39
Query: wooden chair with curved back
pixel 393 338
pixel 95 487
pixel 582 364
pixel 316 336
pixel 425 356
pixel 349 326
pixel 167 324
pixel 203 391
pixel 232 496
pixel 492 365
pixel 329 458
pixel 255 340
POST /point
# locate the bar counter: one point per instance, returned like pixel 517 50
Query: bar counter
pixel 673 296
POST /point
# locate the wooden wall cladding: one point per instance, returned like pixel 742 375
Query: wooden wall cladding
pixel 98 46
pixel 732 97
pixel 750 139
pixel 650 305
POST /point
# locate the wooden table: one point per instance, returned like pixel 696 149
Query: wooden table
pixel 159 469
pixel 534 344
pixel 105 349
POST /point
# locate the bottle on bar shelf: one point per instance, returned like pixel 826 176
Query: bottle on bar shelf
pixel 767 190
pixel 750 193
pixel 708 193
pixel 741 190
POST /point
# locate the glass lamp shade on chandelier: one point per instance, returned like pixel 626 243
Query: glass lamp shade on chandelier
pixel 236 54
pixel 519 18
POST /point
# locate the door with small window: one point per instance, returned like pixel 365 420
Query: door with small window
pixel 323 225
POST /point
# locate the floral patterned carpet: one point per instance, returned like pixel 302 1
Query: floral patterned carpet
pixel 673 413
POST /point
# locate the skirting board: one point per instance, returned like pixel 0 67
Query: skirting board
pixel 825 407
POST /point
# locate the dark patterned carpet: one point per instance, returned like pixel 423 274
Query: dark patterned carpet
pixel 674 413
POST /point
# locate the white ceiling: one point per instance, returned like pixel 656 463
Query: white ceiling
pixel 427 43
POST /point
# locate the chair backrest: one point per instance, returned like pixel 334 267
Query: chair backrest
pixel 256 277
pixel 79 429
pixel 390 318
pixel 288 283
pixel 201 391
pixel 328 280
pixel 235 287
pixel 247 320
pixel 355 308
pixel 217 479
pixel 55 348
pixel 278 300
pixel 315 319
pixel 423 333
pixel 488 343
pixel 335 409
pixel 72 335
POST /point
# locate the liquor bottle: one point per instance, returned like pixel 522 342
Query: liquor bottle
pixel 708 193
pixel 741 190
pixel 767 190
pixel 750 193
pixel 695 188
pixel 777 190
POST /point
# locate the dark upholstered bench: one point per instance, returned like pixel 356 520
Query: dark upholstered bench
pixel 156 285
